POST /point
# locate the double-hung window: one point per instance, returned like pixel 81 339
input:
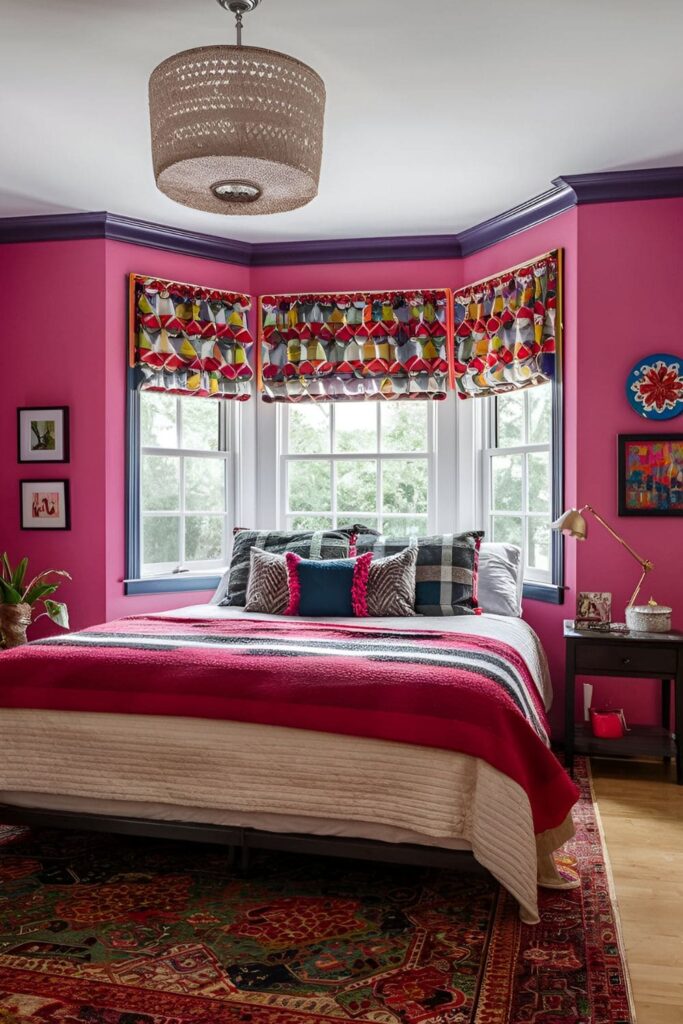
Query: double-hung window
pixel 183 483
pixel 358 462
pixel 518 471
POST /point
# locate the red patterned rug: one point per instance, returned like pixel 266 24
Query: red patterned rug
pixel 102 930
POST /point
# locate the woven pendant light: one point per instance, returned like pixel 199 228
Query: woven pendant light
pixel 237 129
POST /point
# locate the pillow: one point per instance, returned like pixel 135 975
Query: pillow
pixel 446 570
pixel 327 586
pixel 268 588
pixel 501 577
pixel 391 584
pixel 232 589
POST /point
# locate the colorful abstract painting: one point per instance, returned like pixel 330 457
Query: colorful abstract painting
pixel 650 474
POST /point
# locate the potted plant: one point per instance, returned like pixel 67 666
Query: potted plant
pixel 19 601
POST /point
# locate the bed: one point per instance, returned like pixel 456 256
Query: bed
pixel 125 727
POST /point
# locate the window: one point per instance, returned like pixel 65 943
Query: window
pixel 184 486
pixel 519 470
pixel 362 462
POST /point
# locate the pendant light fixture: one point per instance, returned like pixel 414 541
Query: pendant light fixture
pixel 237 129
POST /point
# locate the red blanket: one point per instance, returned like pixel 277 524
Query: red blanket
pixel 458 692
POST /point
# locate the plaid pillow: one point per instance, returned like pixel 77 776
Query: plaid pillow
pixel 232 590
pixel 446 572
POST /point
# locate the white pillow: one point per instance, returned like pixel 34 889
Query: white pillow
pixel 500 579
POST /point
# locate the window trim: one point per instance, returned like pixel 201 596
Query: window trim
pixel 171 582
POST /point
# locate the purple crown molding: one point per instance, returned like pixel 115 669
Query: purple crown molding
pixel 566 192
pixel 534 211
pixel 624 186
pixel 356 250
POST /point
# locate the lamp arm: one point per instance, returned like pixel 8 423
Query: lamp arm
pixel 645 563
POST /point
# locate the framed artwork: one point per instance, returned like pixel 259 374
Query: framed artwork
pixel 44 504
pixel 593 608
pixel 654 386
pixel 43 434
pixel 650 474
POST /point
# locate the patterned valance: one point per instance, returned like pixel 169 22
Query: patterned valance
pixel 366 345
pixel 188 340
pixel 505 329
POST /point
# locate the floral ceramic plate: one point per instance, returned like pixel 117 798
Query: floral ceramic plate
pixel 655 386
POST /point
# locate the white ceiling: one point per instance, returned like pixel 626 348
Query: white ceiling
pixel 440 113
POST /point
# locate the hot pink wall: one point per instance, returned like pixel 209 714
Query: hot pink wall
pixel 357 276
pixel 54 319
pixel 635 253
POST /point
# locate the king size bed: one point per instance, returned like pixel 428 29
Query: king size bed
pixel 407 738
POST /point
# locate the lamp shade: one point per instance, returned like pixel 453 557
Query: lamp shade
pixel 572 523
pixel 237 129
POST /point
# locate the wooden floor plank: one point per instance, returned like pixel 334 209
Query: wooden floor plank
pixel 642 816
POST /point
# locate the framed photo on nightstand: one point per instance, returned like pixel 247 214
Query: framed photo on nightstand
pixel 43 434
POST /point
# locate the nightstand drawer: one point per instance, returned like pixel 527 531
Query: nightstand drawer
pixel 631 657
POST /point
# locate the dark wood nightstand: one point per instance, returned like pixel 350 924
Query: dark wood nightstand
pixel 634 656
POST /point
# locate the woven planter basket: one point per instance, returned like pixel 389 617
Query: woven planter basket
pixel 14 621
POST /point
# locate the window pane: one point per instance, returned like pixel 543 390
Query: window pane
pixel 203 538
pixel 404 485
pixel 309 522
pixel 355 427
pixel 205 485
pixel 158 420
pixel 356 486
pixel 510 420
pixel 160 539
pixel 540 414
pixel 309 428
pixel 310 486
pixel 200 424
pixel 160 483
pixel 508 530
pixel 538 550
pixel 404 426
pixel 411 526
pixel 506 482
pixel 538 469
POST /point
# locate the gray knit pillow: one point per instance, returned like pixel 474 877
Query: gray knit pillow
pixel 391 584
pixel 268 588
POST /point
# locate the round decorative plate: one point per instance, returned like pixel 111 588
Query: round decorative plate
pixel 655 386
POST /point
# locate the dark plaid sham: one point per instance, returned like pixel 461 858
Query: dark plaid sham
pixel 232 589
pixel 446 571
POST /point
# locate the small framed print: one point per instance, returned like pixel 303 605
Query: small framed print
pixel 43 434
pixel 45 504
pixel 593 609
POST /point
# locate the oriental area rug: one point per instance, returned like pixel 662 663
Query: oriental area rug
pixel 110 930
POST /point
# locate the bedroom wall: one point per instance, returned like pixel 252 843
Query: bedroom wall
pixel 631 292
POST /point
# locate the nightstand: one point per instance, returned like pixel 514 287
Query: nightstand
pixel 632 656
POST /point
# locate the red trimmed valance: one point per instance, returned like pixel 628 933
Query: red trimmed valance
pixel 505 329
pixel 362 345
pixel 189 340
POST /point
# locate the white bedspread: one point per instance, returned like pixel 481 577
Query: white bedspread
pixel 278 779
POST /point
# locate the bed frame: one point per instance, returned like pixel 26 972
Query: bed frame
pixel 241 841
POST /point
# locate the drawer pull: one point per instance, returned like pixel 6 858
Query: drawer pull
pixel 625 661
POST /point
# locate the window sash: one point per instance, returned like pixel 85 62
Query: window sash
pixel 184 567
pixel 371 454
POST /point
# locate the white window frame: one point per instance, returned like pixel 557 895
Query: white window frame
pixel 429 456
pixel 531 573
pixel 225 454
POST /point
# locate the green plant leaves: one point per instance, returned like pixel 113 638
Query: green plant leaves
pixel 8 594
pixel 58 612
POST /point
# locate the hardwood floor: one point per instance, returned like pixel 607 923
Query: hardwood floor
pixel 642 815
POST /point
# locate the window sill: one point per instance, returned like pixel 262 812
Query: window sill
pixel 176 584
pixel 549 593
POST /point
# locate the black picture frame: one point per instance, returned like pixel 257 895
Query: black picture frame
pixel 60 410
pixel 623 440
pixel 45 524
